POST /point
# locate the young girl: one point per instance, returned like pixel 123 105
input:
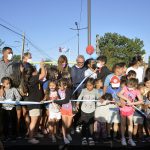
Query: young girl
pixel 87 111
pixel 35 93
pixel 53 108
pixel 101 116
pixel 9 113
pixel 127 96
pixel 66 109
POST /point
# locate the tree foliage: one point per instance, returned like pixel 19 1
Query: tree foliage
pixel 16 58
pixel 119 48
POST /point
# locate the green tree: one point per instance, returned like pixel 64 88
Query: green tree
pixel 16 58
pixel 119 48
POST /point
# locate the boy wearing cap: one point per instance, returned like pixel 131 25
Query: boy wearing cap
pixel 114 116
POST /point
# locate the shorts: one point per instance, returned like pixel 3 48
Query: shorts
pixel 126 111
pixel 35 112
pixel 66 112
pixel 53 115
pixel 113 117
pixel 137 118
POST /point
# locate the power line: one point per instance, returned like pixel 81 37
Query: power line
pixel 10 30
pixel 31 43
pixel 10 24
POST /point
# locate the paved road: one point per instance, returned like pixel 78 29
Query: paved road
pixel 46 144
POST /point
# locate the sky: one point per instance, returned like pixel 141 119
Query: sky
pixel 47 24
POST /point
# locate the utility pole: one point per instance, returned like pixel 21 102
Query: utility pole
pixel 89 21
pixel 23 45
pixel 78 29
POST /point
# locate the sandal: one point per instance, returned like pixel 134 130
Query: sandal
pixel 84 141
pixel 91 141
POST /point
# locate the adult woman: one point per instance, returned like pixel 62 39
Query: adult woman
pixel 63 65
pixel 136 65
pixel 17 79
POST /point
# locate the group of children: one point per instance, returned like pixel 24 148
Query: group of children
pixel 100 113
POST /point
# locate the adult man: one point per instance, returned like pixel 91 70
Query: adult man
pixel 6 62
pixel 5 71
pixel 77 73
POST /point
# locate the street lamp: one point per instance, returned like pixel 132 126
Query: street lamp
pixel 76 23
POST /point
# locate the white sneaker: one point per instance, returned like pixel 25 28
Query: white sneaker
pixel 131 142
pixel 33 141
pixel 69 137
pixel 66 141
pixel 123 142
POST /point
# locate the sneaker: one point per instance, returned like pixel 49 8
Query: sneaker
pixel 91 141
pixel 53 139
pixel 84 141
pixel 123 142
pixel 78 129
pixel 33 141
pixel 66 141
pixel 39 135
pixel 131 142
pixel 69 137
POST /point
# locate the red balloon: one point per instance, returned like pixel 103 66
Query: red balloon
pixel 90 49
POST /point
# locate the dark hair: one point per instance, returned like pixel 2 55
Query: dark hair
pixel 51 72
pixel 148 95
pixel 107 96
pixel 116 66
pixel 123 80
pixel 63 82
pixel 122 64
pixel 16 74
pixel 90 80
pixel 98 79
pixel 147 75
pixel 88 61
pixel 1 87
pixel 135 59
pixel 131 73
pixel 6 79
pixel 132 82
pixel 27 74
pixel 102 58
pixel 5 48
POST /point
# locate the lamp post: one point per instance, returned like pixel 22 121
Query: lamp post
pixel 78 29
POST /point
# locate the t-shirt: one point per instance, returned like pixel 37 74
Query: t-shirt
pixel 35 92
pixel 113 92
pixel 139 72
pixel 101 112
pixel 130 94
pixel 89 72
pixel 88 106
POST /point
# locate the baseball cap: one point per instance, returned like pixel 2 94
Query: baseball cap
pixel 115 82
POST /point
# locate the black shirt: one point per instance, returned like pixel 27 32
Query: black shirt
pixel 35 89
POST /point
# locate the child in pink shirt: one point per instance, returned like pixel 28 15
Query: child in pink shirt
pixel 127 96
